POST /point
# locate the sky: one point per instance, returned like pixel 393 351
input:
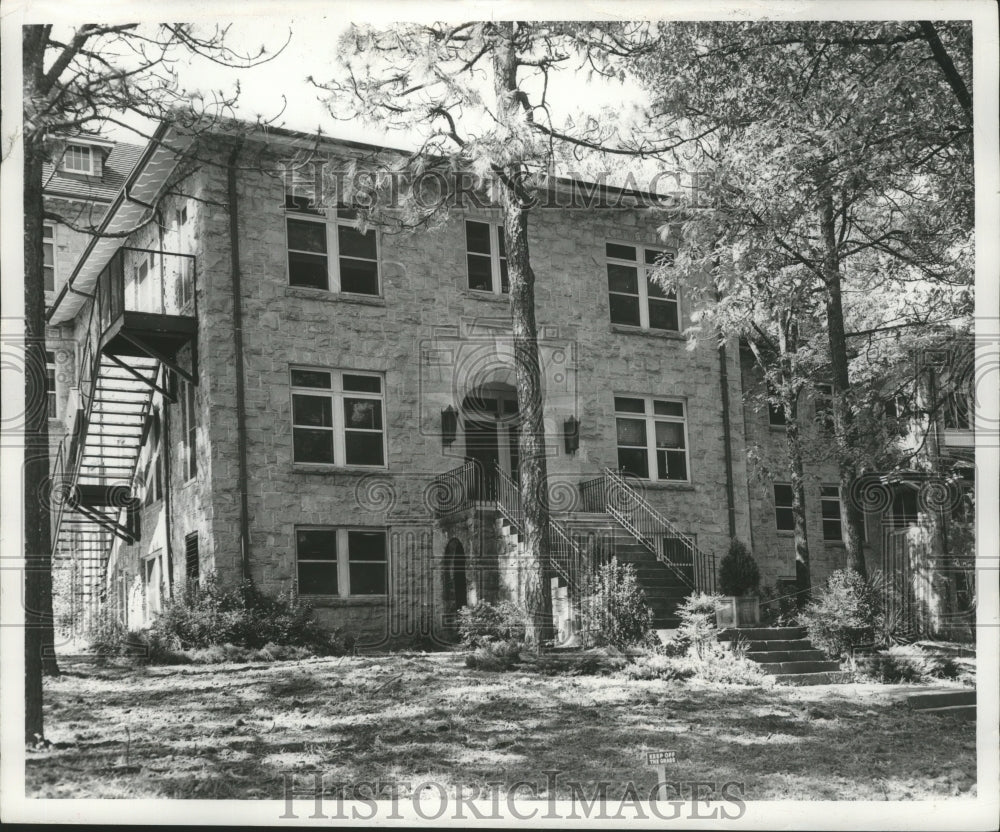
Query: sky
pixel 311 51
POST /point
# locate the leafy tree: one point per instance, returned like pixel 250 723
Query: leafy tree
pixel 837 155
pixel 83 79
pixel 477 94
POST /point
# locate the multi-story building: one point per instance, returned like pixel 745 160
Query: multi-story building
pixel 263 388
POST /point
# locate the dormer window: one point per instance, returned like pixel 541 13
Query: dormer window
pixel 78 159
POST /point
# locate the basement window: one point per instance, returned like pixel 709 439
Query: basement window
pixel 327 250
pixel 341 562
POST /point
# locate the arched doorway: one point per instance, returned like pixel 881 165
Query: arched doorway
pixel 456 589
pixel 490 422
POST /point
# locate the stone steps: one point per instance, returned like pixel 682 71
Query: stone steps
pixel 786 654
pixel 958 703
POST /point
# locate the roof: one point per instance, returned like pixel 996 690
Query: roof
pixel 117 166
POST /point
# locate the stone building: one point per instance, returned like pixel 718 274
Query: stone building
pixel 262 388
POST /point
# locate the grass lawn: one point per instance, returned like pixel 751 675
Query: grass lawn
pixel 231 731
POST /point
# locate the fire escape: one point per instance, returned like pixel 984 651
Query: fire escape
pixel 143 313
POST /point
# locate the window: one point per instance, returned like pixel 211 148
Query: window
pixel 337 417
pixel 341 562
pixel 486 256
pixel 775 411
pixel 49 256
pixel 652 438
pixel 784 519
pixel 830 504
pixel 327 251
pixel 51 400
pixel 634 299
pixel 957 409
pixel 189 430
pixel 823 402
pixel 78 159
pixel 192 560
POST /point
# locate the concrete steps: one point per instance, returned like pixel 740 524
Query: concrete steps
pixel 959 703
pixel 787 654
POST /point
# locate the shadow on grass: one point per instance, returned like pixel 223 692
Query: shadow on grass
pixel 433 720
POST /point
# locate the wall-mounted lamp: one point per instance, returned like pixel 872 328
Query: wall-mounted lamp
pixel 571 434
pixel 449 424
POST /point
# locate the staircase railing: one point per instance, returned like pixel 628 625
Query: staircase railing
pixel 565 555
pixel 612 494
pixel 458 489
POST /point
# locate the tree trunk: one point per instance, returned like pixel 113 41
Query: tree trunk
pixel 39 654
pixel 536 572
pixel 851 519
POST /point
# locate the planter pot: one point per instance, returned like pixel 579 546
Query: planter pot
pixel 738 611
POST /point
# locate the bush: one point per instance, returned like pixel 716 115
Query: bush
pixel 779 607
pixel 613 608
pixel 738 572
pixel 495 655
pixel 242 616
pixel 658 666
pixel 844 614
pixel 484 622
pixel 906 663
pixel 697 631
pixel 729 667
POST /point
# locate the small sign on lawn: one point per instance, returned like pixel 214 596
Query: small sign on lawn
pixel 659 758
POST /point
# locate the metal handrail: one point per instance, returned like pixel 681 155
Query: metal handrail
pixel 650 528
pixel 565 555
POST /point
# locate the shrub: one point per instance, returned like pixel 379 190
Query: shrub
pixel 242 616
pixel 729 667
pixel 843 614
pixel 108 636
pixel 657 666
pixel 738 572
pixel 613 608
pixel 495 655
pixel 484 622
pixel 906 663
pixel 779 607
pixel 697 631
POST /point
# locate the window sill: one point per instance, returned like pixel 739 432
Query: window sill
pixel 333 470
pixel 489 297
pixel 627 329
pixel 660 485
pixel 334 601
pixel 333 297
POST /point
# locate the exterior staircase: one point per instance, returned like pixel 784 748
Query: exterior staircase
pixel 613 520
pixel 787 654
pixel 142 313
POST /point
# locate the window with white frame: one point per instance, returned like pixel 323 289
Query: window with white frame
pixel 78 159
pixel 829 496
pixel 486 257
pixel 49 256
pixel 652 437
pixel 337 417
pixel 326 250
pixel 51 399
pixel 342 562
pixel 784 517
pixel 635 300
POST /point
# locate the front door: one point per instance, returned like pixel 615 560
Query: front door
pixel 491 435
